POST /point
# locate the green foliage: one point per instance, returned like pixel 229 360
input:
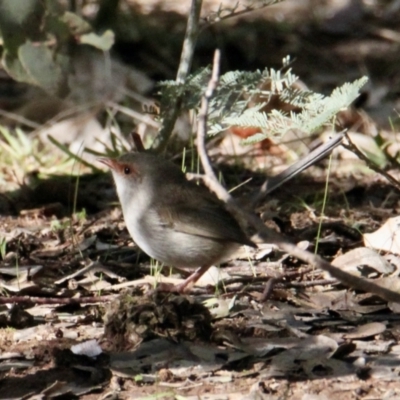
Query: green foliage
pixel 81 216
pixel 241 96
pixel 3 247
pixel 64 148
pixel 42 67
pixel 26 154
pixel 103 42
pixel 316 111
pixel 57 225
pixel 37 37
pixel 18 146
pixel 117 147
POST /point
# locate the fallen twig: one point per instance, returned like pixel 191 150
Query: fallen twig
pixel 55 300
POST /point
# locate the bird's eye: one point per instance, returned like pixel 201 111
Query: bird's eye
pixel 127 170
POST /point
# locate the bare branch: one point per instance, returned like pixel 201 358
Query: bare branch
pixel 231 12
pixel 203 115
pixel 55 300
pixel 137 141
pixel 185 64
pixel 354 149
pixel 189 43
pixel 265 233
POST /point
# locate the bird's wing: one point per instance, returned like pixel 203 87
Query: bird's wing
pixel 204 216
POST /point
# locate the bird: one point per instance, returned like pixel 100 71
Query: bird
pixel 178 222
pixel 172 219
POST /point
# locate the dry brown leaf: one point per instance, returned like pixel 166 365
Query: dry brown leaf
pixel 367 330
pixel 386 238
pixel 354 260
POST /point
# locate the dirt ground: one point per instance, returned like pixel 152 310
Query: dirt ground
pixel 76 278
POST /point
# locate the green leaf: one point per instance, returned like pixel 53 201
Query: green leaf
pixel 15 69
pixel 76 24
pixel 257 137
pixel 316 110
pixel 103 42
pixel 20 20
pixel 74 156
pixel 38 61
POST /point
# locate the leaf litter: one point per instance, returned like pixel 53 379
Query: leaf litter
pixel 81 282
pixel 305 331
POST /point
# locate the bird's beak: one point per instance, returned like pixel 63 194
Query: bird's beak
pixel 110 162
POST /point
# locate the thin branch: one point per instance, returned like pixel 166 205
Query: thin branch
pixel 217 16
pixel 354 149
pixel 189 43
pixel 145 119
pixel 137 141
pixel 185 64
pixel 266 234
pixel 203 117
pixel 20 119
pixel 55 300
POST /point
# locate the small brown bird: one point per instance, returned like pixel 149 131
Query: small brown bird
pixel 172 219
pixel 180 223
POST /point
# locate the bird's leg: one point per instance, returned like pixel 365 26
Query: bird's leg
pixel 191 279
pixel 186 285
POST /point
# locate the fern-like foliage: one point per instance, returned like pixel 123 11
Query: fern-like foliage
pixel 241 97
